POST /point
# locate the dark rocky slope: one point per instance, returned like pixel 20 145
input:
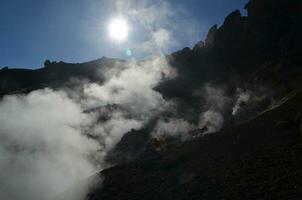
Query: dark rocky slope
pixel 257 159
pixel 54 74
pixel 245 52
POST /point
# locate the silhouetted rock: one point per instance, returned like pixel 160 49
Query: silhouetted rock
pixel 233 19
pixel 54 75
pixel 258 159
pixel 200 45
pixel 47 63
pixel 211 36
pixel 4 68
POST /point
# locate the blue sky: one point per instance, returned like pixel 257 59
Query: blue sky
pixel 32 31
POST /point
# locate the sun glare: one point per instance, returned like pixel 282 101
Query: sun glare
pixel 118 29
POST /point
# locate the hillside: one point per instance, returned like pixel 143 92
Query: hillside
pixel 256 155
pixel 227 126
pixel 259 159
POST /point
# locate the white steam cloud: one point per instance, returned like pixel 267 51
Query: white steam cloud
pixel 211 119
pixel 132 90
pixel 42 149
pixel 52 141
pixel 176 128
pixel 216 102
pixel 242 97
pixel 132 86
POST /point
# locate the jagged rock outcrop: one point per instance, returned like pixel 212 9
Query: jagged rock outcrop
pixel 258 159
pixel 200 45
pixel 243 162
pixel 54 74
pixel 211 36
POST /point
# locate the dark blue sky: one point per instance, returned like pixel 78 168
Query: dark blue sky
pixel 76 30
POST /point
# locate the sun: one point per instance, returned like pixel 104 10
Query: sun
pixel 118 29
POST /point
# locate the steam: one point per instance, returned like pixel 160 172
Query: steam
pixel 250 103
pixel 156 21
pixel 242 97
pixel 132 87
pixel 52 141
pixel 42 149
pixel 176 128
pixel 215 105
pixel 211 119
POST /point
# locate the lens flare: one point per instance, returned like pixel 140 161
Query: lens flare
pixel 128 52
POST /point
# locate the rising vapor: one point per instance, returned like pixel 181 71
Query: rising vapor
pixel 52 140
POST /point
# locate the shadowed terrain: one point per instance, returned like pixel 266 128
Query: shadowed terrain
pixel 257 152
